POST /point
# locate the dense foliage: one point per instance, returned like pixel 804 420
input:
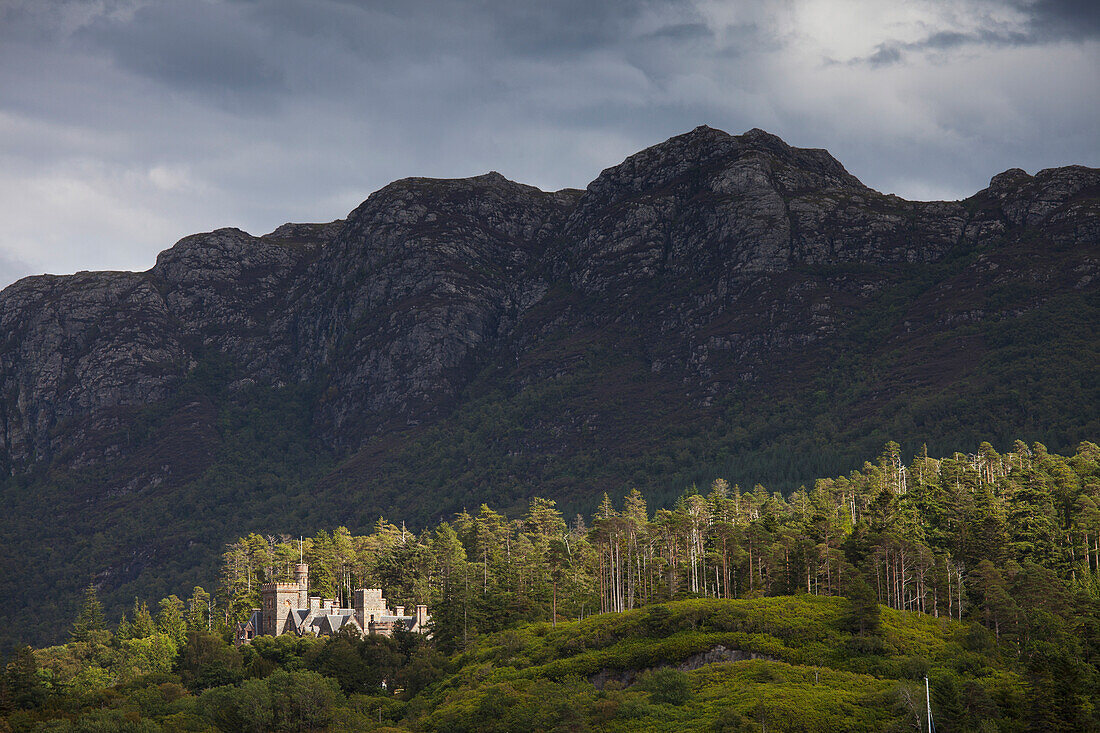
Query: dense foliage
pixel 944 536
pixel 980 571
pixel 782 663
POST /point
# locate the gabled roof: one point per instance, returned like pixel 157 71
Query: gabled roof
pixel 253 621
pixel 296 619
pixel 331 623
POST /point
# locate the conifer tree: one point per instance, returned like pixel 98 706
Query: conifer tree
pixel 863 609
pixel 1032 521
pixel 198 610
pixel 24 687
pixel 90 619
pixel 985 532
pixel 998 608
pixel 142 624
pixel 451 611
pixel 543 520
pixel 170 620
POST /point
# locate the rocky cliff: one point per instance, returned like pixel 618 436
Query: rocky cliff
pixel 453 341
pixel 424 284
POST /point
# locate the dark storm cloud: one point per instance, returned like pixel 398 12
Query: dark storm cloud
pixel 125 124
pixel 422 28
pixel 884 55
pixel 1074 19
pixel 894 52
pixel 250 52
pixel 198 45
pixel 1048 21
pixel 545 29
pixel 682 32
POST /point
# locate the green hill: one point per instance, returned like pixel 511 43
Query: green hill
pixel 791 663
pixel 650 669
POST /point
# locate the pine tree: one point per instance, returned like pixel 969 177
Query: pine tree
pixel 90 619
pixel 1032 522
pixel 998 609
pixel 141 626
pixel 863 609
pixel 170 619
pixel 451 601
pixel 198 610
pixel 320 554
pixel 543 520
pixel 24 687
pixel 985 536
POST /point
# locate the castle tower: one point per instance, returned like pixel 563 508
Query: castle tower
pixel 369 605
pixel 301 577
pixel 278 600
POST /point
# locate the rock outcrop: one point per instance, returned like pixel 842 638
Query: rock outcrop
pixel 716 655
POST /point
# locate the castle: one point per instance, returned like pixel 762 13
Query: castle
pixel 289 609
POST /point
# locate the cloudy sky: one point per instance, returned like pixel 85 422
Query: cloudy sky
pixel 127 124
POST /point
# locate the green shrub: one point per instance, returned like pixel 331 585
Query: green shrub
pixel 666 685
pixel 865 645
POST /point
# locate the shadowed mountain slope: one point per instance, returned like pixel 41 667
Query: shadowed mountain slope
pixel 714 305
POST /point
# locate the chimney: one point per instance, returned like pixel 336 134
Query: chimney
pixel 421 618
pixel 359 603
pixel 399 611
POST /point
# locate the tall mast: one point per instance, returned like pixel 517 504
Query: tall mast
pixel 928 703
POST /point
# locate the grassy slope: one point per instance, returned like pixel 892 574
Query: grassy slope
pixel 812 679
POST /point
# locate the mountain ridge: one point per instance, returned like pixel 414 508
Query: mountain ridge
pixel 224 288
pixel 714 305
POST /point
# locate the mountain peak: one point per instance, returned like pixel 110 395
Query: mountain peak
pixel 492 177
pixel 758 135
pixel 704 132
pixel 706 148
pixel 1011 178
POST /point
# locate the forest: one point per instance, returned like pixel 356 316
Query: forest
pixel 980 571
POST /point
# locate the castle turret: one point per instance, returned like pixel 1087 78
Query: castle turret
pixel 301 577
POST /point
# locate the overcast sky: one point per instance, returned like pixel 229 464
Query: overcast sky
pixel 127 124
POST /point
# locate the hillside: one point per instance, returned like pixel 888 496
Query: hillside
pixel 744 611
pixel 778 664
pixel 785 664
pixel 715 305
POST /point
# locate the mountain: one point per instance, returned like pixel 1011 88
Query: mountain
pixel 715 305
